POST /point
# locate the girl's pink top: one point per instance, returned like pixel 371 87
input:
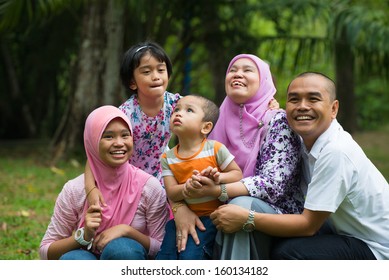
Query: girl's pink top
pixel 150 217
pixel 122 186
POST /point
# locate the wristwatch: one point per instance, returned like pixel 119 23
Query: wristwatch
pixel 79 237
pixel 249 225
pixel 223 196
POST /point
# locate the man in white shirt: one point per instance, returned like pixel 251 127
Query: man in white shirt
pixel 344 190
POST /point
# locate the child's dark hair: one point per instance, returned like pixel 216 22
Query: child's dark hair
pixel 210 109
pixel 132 57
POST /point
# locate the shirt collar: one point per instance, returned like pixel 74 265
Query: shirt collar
pixel 322 140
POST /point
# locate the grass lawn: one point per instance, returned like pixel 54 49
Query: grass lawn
pixel 29 187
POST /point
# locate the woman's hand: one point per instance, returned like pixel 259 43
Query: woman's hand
pixel 92 221
pixel 109 234
pixel 273 104
pixel 229 218
pixel 193 189
pixel 200 186
pixel 186 223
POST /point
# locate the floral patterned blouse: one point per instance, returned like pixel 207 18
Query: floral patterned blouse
pixel 277 172
pixel 151 135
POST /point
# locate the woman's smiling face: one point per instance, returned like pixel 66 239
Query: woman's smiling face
pixel 116 144
pixel 242 80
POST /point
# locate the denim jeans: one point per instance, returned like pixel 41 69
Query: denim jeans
pixel 121 248
pixel 203 251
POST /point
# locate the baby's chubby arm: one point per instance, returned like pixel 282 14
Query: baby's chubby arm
pixel 232 173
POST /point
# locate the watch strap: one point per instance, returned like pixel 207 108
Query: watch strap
pixel 79 237
pixel 223 195
pixel 249 225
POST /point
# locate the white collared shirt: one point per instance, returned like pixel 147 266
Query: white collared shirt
pixel 343 181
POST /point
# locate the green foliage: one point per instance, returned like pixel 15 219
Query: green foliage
pixel 365 27
pixel 372 104
pixel 21 13
pixel 40 39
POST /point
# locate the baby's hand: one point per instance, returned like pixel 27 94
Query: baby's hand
pixel 212 173
pixel 206 172
pixel 216 177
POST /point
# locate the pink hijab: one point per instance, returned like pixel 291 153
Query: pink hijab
pixel 121 186
pixel 229 125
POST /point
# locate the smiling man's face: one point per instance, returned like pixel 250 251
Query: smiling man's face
pixel 310 108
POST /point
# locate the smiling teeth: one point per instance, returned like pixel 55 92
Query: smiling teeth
pixel 237 84
pixel 304 118
pixel 118 152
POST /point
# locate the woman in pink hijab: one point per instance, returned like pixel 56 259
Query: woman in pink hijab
pixel 131 225
pixel 267 151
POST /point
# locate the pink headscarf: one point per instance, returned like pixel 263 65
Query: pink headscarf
pixel 227 129
pixel 120 186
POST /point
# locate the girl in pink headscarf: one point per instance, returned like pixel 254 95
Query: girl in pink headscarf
pixel 131 225
pixel 265 148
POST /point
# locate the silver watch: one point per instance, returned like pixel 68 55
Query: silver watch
pixel 79 237
pixel 249 225
pixel 223 196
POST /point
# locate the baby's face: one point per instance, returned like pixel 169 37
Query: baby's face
pixel 187 116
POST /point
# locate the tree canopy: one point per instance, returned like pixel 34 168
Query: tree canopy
pixel 60 58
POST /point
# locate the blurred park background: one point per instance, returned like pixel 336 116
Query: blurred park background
pixel 59 59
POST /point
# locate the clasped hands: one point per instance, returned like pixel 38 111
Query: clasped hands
pixel 201 183
pixel 228 218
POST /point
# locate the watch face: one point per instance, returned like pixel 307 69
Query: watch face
pixel 78 233
pixel 248 227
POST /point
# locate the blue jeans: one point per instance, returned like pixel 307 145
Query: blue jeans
pixel 121 248
pixel 203 251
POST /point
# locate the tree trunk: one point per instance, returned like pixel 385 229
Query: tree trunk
pixel 114 30
pixel 96 75
pixel 218 58
pixel 344 68
pixel 15 90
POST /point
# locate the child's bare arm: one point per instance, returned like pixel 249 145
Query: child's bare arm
pixel 173 189
pixel 232 173
pixel 93 194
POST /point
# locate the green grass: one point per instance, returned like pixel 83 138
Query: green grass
pixel 375 145
pixel 29 187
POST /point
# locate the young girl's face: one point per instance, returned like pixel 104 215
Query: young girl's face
pixel 115 146
pixel 150 78
pixel 242 81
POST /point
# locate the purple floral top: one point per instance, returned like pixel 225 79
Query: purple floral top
pixel 278 168
pixel 151 135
